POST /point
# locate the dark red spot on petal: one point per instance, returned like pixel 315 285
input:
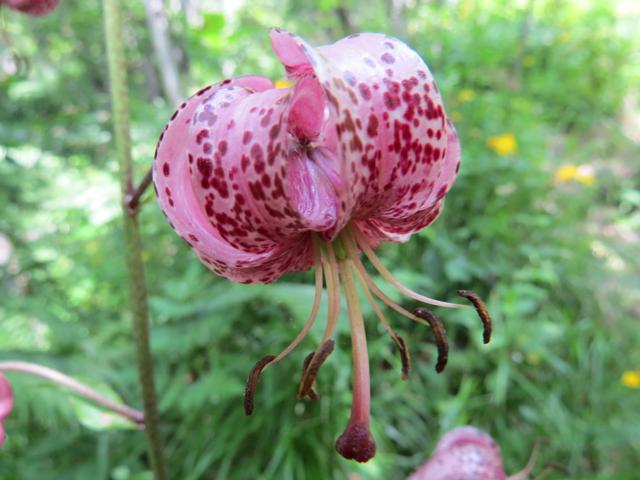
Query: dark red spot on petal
pixel 387 58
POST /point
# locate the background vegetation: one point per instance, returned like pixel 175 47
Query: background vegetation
pixel 544 221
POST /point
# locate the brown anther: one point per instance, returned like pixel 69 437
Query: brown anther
pixel 252 382
pixel 404 356
pixel 311 371
pixel 440 334
pixel 305 364
pixel 482 310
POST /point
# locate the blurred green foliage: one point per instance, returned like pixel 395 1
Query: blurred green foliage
pixel 544 221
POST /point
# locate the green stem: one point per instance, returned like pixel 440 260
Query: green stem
pixel 135 266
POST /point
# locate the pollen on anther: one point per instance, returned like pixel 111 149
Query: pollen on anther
pixel 439 333
pixel 313 366
pixel 482 310
pixel 252 383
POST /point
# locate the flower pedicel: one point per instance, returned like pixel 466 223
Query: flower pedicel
pixel 261 181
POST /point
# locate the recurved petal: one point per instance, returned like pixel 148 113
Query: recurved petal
pixel 296 257
pixel 390 123
pixel 391 229
pixel 252 171
pixel 188 217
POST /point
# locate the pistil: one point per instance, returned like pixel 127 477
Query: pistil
pixel 356 442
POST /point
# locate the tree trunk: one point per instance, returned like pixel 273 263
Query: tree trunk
pixel 159 30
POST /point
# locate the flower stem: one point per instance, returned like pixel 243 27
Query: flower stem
pixel 72 384
pixel 137 287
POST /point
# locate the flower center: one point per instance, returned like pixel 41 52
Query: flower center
pixel 338 263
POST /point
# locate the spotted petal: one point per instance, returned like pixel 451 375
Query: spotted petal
pixel 463 453
pixel 393 134
pixel 238 183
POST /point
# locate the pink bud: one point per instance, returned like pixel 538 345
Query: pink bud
pixel 35 8
pixel 464 453
pixel 6 403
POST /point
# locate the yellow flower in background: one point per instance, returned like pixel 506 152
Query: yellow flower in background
pixel 631 379
pixel 582 174
pixel 283 84
pixel 566 173
pixel 564 37
pixel 466 95
pixel 529 61
pixel 504 144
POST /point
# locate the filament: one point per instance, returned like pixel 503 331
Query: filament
pixel 402 346
pixel 386 274
pixel 314 309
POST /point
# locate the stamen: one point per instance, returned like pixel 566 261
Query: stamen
pixel 305 364
pixel 440 335
pixel 402 346
pixel 252 382
pixel 404 356
pixel 317 300
pixel 333 291
pixel 386 274
pixel 482 310
pixel 385 299
pixel 313 363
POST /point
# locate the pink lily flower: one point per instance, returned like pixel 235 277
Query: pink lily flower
pixel 261 181
pixel 35 8
pixel 466 453
pixel 6 403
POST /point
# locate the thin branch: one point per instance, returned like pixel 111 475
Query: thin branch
pixel 133 244
pixel 132 198
pixel 135 416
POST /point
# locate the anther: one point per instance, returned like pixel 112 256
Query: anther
pixel 438 331
pixel 312 393
pixel 404 356
pixel 311 371
pixel 482 310
pixel 252 382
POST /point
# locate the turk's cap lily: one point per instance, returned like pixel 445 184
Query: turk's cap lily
pixel 35 8
pixel 246 172
pixel 6 404
pixel 354 149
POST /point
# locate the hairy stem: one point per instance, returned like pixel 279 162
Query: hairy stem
pixel 72 384
pixel 135 266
